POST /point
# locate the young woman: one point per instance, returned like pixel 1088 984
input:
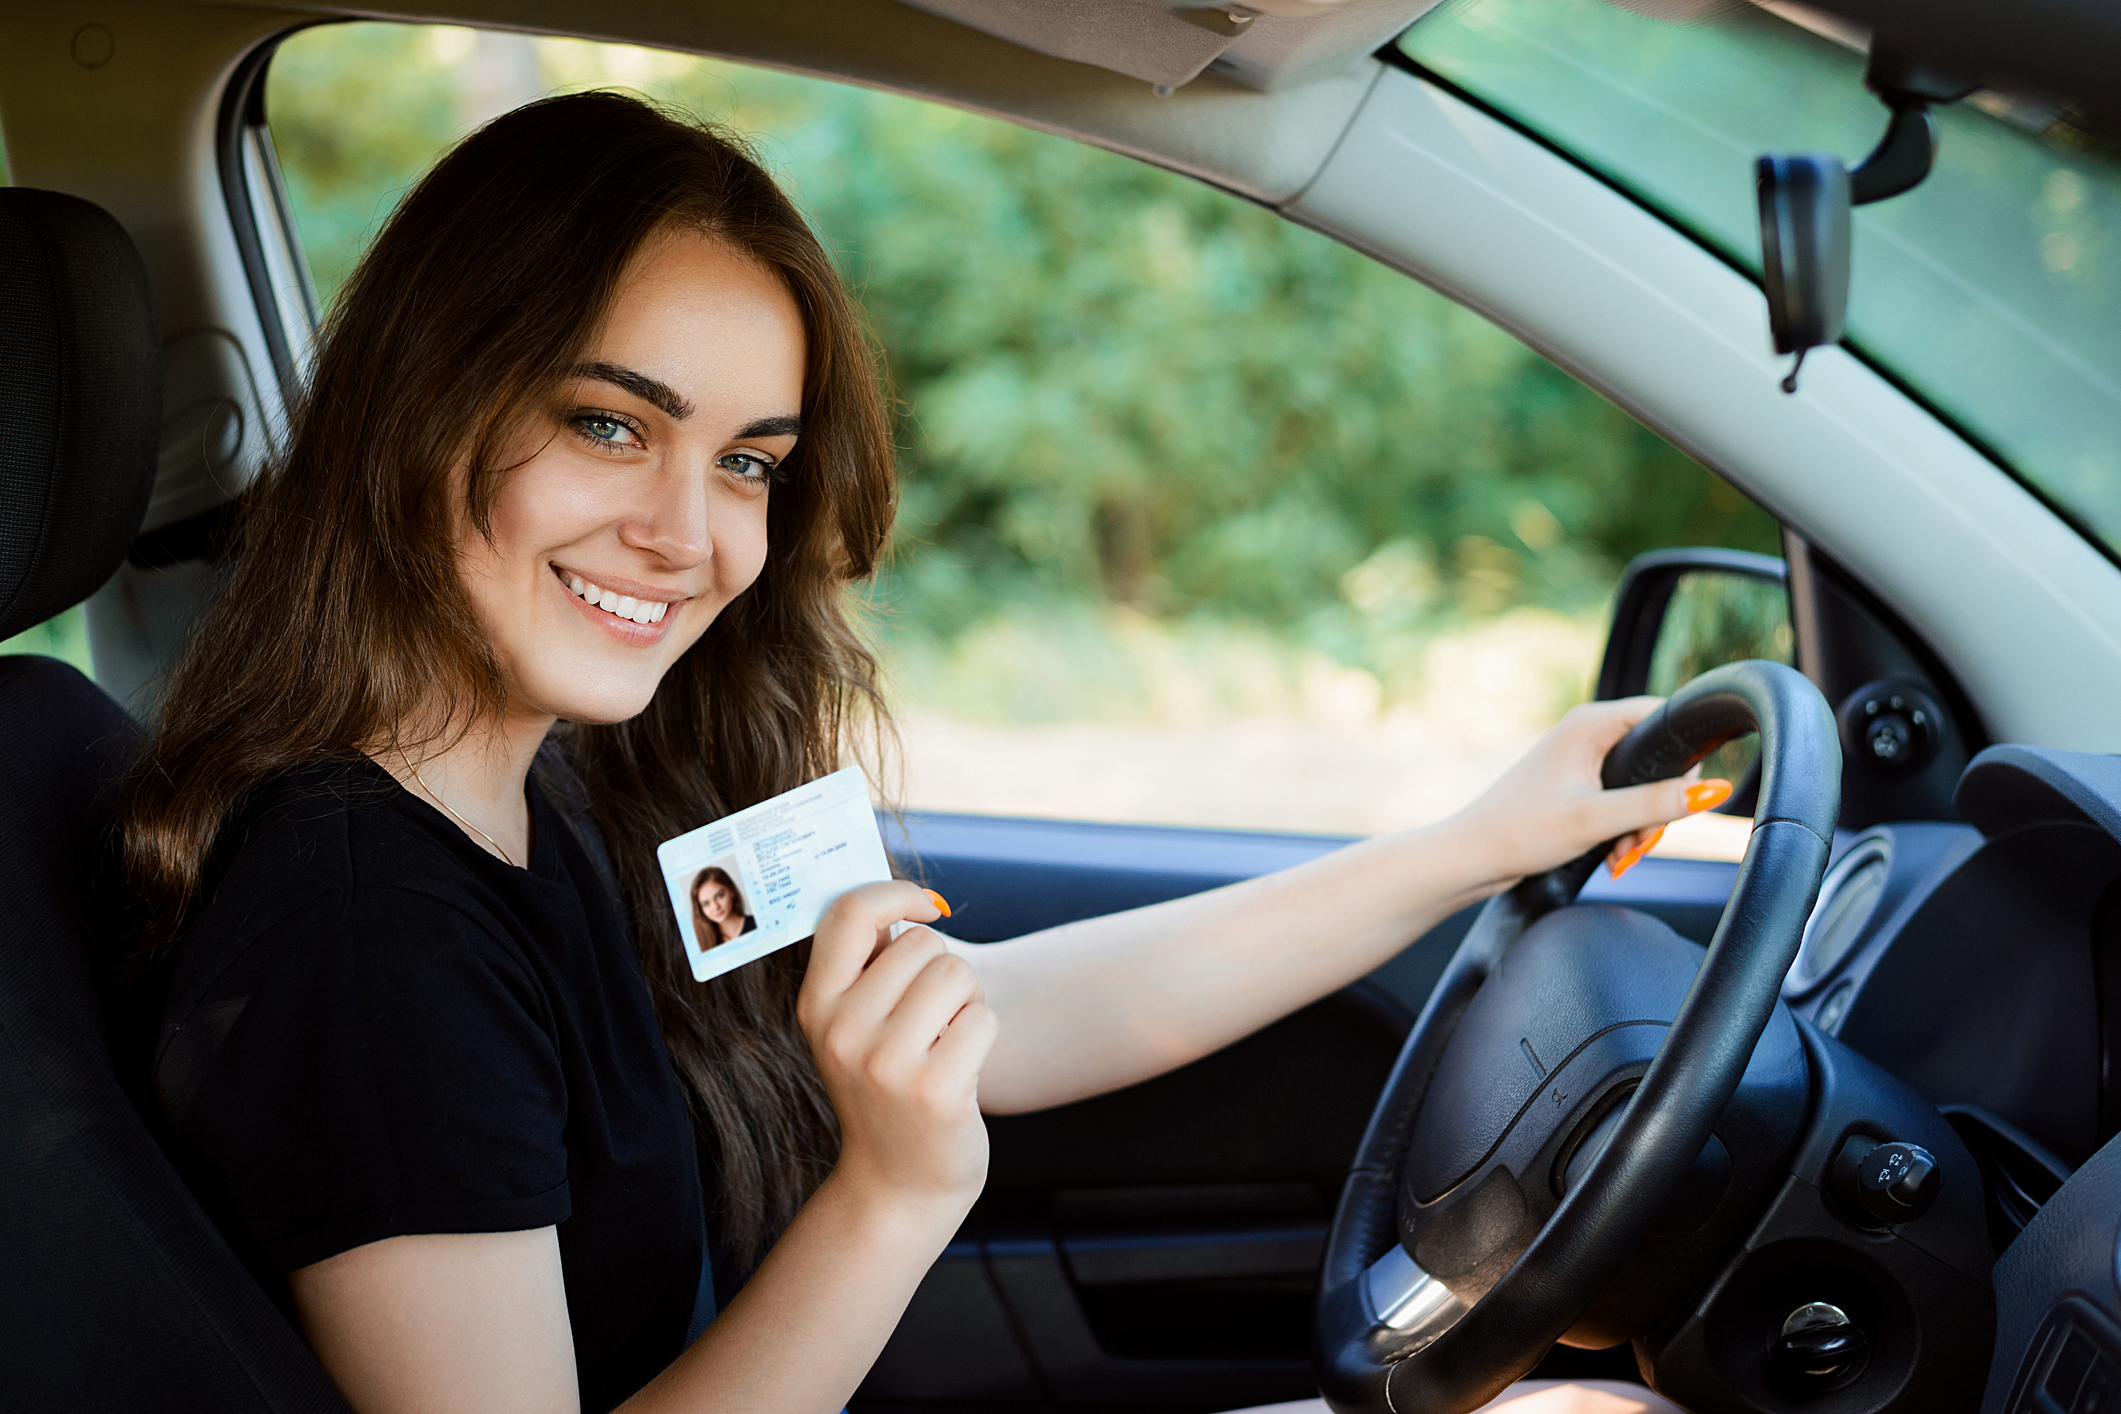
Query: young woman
pixel 593 440
pixel 718 913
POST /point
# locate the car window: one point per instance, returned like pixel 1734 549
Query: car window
pixel 1993 290
pixel 1206 519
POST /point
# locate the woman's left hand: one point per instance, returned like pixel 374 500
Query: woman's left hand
pixel 1552 805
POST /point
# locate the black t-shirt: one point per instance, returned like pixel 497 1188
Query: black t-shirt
pixel 374 1027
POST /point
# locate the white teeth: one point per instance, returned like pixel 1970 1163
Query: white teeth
pixel 640 611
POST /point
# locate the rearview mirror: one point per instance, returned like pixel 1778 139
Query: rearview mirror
pixel 1805 199
pixel 1804 250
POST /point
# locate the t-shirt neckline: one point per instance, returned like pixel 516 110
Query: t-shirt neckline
pixel 543 862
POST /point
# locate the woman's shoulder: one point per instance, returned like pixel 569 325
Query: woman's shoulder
pixel 316 829
pixel 325 849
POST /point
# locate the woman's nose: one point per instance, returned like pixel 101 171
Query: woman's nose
pixel 675 522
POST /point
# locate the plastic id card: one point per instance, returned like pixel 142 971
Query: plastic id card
pixel 756 881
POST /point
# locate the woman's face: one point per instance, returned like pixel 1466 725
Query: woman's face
pixel 643 488
pixel 714 901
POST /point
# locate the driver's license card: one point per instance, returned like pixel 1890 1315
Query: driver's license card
pixel 756 881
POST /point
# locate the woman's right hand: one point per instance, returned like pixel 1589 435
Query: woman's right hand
pixel 899 1029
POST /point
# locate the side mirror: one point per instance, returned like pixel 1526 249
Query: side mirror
pixel 1681 612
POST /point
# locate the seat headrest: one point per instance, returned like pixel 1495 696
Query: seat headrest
pixel 80 401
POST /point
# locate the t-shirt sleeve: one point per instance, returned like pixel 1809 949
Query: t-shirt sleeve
pixel 390 1068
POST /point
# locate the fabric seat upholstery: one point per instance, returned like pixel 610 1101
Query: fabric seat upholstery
pixel 116 1290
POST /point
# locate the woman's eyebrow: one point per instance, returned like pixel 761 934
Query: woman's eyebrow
pixel 648 390
pixel 784 426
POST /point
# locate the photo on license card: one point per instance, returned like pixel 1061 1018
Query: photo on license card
pixel 756 881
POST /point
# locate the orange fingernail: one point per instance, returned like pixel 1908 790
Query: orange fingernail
pixel 1634 856
pixel 1706 795
pixel 942 905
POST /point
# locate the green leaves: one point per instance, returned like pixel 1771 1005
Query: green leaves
pixel 1119 387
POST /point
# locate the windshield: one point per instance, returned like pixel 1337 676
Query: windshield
pixel 1993 290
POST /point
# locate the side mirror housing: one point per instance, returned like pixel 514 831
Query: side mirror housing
pixel 1681 612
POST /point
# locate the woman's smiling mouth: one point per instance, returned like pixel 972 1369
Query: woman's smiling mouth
pixel 634 618
pixel 641 611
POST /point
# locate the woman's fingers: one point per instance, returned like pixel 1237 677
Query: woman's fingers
pixel 1651 804
pixel 1638 814
pixel 957 1056
pixel 1628 851
pixel 942 989
pixel 848 932
pixel 881 988
pixel 1595 728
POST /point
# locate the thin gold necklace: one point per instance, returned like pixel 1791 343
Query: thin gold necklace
pixel 453 814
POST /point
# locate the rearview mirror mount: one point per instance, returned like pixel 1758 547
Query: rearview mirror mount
pixel 1805 201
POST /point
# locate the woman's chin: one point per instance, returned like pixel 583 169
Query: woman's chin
pixel 600 705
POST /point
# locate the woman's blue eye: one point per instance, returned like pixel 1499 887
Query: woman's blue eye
pixel 606 431
pixel 752 468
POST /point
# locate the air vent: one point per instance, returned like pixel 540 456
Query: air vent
pixel 1848 896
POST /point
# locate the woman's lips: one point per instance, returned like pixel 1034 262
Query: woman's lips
pixel 636 621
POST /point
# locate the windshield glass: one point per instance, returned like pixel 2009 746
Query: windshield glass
pixel 1993 290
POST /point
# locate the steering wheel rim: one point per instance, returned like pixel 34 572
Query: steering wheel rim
pixel 1449 1358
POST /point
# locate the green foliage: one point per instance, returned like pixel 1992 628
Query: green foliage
pixel 358 111
pixel 64 636
pixel 1119 386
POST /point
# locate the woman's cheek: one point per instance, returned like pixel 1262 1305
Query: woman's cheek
pixel 744 554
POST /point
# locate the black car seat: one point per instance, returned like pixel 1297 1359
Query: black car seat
pixel 116 1291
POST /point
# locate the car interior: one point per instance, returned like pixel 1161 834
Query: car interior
pixel 1828 1129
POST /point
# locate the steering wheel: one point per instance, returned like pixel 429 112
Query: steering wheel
pixel 1392 1338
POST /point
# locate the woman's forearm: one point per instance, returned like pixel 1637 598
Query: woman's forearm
pixel 806 1328
pixel 1095 1005
pixel 1092 1006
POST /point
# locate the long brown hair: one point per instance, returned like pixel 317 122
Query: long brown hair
pixel 702 925
pixel 479 295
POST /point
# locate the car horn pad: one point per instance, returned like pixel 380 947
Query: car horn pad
pixel 1590 1106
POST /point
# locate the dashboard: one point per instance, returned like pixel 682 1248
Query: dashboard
pixel 1980 963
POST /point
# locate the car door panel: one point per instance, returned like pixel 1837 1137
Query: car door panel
pixel 1157 1247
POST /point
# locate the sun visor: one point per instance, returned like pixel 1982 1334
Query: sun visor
pixel 1168 45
